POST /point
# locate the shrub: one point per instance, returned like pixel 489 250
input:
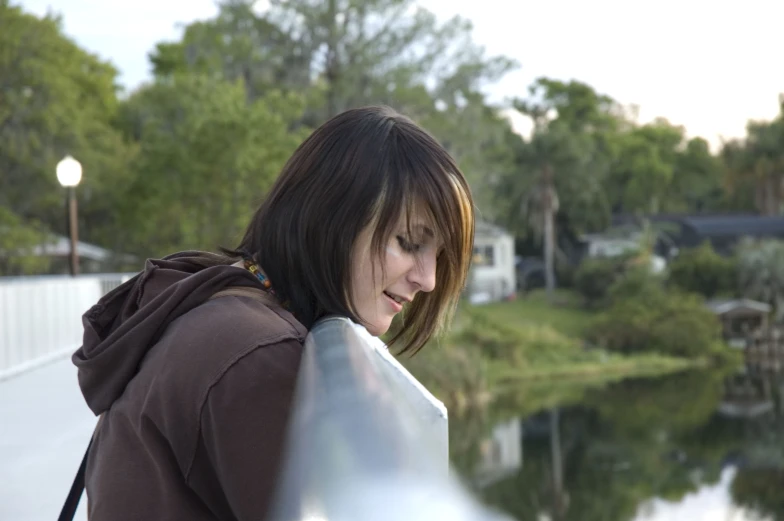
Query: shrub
pixel 565 274
pixel 701 270
pixel 671 323
pixel 595 276
pixel 635 281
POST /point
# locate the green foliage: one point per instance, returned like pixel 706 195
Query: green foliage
pixel 56 99
pixel 697 183
pixel 657 321
pixel 759 490
pixel 572 125
pixel 18 241
pixel 180 163
pixel 761 271
pixel 564 314
pixel 701 270
pixel 644 167
pixel 660 401
pixel 237 92
pixel 518 347
pixel 458 377
pixel 616 442
pixel 206 159
pixel 595 276
pixel 754 166
pixel 633 282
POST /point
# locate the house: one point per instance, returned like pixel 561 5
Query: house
pixel 723 231
pixel 601 245
pixel 620 241
pixel 740 318
pixel 500 454
pixel 493 271
pixel 92 258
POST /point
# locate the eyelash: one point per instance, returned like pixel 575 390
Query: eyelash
pixel 407 246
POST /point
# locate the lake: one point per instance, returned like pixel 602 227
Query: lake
pixel 693 446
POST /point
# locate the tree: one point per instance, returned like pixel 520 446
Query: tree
pixel 757 162
pixel 350 52
pixel 759 491
pixel 346 53
pixel 56 98
pixel 562 162
pixel 644 169
pixel 206 159
pixel 238 44
pixel 365 51
pixel 696 186
pixel 18 241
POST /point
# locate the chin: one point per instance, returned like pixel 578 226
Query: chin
pixel 377 329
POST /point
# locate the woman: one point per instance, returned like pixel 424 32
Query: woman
pixel 192 364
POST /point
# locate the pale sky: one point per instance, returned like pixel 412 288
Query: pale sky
pixel 709 503
pixel 709 65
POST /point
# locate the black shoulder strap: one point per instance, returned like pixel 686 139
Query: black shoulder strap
pixel 72 501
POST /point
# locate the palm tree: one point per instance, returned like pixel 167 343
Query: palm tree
pixel 554 157
pixel 759 160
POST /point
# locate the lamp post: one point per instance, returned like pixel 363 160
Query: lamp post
pixel 69 173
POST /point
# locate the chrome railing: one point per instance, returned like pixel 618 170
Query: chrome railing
pixel 366 442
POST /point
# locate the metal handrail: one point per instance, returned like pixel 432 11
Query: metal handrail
pixel 357 450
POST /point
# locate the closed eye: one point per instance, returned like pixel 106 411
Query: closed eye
pixel 407 246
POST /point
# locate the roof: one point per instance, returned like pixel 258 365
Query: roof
pixel 486 229
pixel 60 246
pixel 713 225
pixel 720 307
pixel 735 225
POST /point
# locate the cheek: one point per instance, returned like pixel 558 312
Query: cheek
pixel 397 265
pixel 367 282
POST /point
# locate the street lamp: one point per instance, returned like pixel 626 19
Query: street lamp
pixel 69 173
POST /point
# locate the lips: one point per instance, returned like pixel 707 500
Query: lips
pixel 395 302
pixel 399 300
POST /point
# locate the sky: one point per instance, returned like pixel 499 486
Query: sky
pixel 705 64
pixel 709 503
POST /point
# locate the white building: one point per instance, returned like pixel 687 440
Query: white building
pixel 501 454
pixel 604 245
pixel 493 273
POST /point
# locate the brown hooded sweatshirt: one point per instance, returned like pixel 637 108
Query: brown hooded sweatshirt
pixel 194 393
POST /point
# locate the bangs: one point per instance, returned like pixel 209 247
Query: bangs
pixel 427 183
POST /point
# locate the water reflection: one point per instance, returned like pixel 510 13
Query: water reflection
pixel 665 448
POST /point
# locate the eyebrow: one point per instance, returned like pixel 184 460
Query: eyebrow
pixel 426 229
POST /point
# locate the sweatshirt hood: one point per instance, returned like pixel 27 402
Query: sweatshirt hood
pixel 124 325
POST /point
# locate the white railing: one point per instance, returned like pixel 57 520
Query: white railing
pixel 41 317
pixel 366 440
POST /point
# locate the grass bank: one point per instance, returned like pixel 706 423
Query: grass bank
pixel 494 348
pixel 564 314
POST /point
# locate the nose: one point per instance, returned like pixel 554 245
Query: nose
pixel 423 274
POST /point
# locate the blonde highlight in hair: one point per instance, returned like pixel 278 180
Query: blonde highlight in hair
pixel 451 209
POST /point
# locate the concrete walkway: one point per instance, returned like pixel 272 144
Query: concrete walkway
pixel 44 429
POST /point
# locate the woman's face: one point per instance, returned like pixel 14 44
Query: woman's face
pixel 410 267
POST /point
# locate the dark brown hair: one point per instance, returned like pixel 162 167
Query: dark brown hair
pixel 364 166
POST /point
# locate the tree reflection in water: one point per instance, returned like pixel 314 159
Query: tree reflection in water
pixel 604 453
